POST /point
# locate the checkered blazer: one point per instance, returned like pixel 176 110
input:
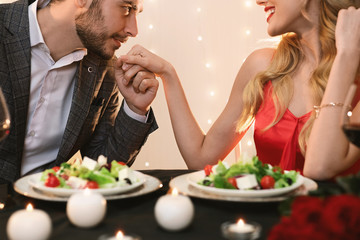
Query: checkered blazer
pixel 95 124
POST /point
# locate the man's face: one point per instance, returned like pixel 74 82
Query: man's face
pixel 107 24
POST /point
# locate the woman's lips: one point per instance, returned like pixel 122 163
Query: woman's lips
pixel 269 12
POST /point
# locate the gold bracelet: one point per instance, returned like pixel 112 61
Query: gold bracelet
pixel 331 104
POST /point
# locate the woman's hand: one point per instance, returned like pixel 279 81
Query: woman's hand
pixel 140 58
pixel 347 33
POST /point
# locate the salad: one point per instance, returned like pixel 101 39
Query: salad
pixel 89 174
pixel 247 175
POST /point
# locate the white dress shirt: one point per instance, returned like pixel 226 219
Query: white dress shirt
pixel 51 92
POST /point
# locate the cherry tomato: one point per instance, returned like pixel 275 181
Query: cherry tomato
pixel 267 182
pixel 208 170
pixel 233 182
pixel 52 181
pixel 56 168
pixel 277 169
pixel 92 185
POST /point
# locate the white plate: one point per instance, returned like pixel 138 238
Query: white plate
pixel 35 182
pixel 182 184
pixel 23 187
pixel 195 177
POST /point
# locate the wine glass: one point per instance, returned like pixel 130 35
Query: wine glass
pixel 4 117
pixel 350 125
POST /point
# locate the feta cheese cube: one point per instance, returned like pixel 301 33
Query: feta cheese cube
pixel 102 160
pixel 76 183
pixel 246 182
pixel 89 163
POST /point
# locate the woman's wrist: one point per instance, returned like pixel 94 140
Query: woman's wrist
pixel 168 73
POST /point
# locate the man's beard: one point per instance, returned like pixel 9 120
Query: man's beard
pixel 94 41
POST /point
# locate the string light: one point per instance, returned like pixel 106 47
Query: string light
pixel 248 3
pixel 198 9
pixel 209 121
pixel 208 65
pixel 151 26
pixel 199 38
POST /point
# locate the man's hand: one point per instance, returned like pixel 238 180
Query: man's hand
pixel 139 88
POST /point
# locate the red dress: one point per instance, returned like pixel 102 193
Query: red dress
pixel 279 144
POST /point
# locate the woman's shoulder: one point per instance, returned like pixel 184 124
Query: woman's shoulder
pixel 261 57
pixel 257 61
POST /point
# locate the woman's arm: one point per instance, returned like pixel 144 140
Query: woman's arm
pixel 196 147
pixel 329 152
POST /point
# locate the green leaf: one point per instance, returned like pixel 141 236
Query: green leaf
pixel 115 168
pixel 285 206
pixel 220 168
pixel 100 178
pixel 281 183
pixel 221 182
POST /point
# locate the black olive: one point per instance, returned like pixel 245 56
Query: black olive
pixel 206 182
pixel 128 181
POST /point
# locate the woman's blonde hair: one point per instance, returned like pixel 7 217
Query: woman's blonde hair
pixel 285 60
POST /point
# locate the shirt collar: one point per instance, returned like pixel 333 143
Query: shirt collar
pixel 35 33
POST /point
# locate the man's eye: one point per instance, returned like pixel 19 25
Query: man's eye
pixel 127 10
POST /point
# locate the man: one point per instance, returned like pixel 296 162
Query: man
pixel 62 84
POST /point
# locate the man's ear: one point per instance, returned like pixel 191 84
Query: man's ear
pixel 82 3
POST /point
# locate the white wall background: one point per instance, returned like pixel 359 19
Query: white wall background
pixel 229 29
pixel 206 41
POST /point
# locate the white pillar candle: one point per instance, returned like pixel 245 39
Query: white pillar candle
pixel 86 209
pixel 174 212
pixel 30 224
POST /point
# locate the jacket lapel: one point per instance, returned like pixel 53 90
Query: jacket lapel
pixel 88 80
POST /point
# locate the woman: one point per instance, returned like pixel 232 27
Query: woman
pixel 278 88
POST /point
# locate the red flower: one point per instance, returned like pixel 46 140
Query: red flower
pixel 287 229
pixel 307 209
pixel 341 215
pixel 336 217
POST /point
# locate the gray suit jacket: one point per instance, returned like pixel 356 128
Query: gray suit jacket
pixel 95 125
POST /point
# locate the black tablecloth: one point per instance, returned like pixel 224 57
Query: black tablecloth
pixel 136 215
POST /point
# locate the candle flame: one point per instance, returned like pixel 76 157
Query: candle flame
pixel 175 192
pixel 241 222
pixel 119 235
pixel 29 207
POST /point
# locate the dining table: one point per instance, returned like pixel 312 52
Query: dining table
pixel 135 214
